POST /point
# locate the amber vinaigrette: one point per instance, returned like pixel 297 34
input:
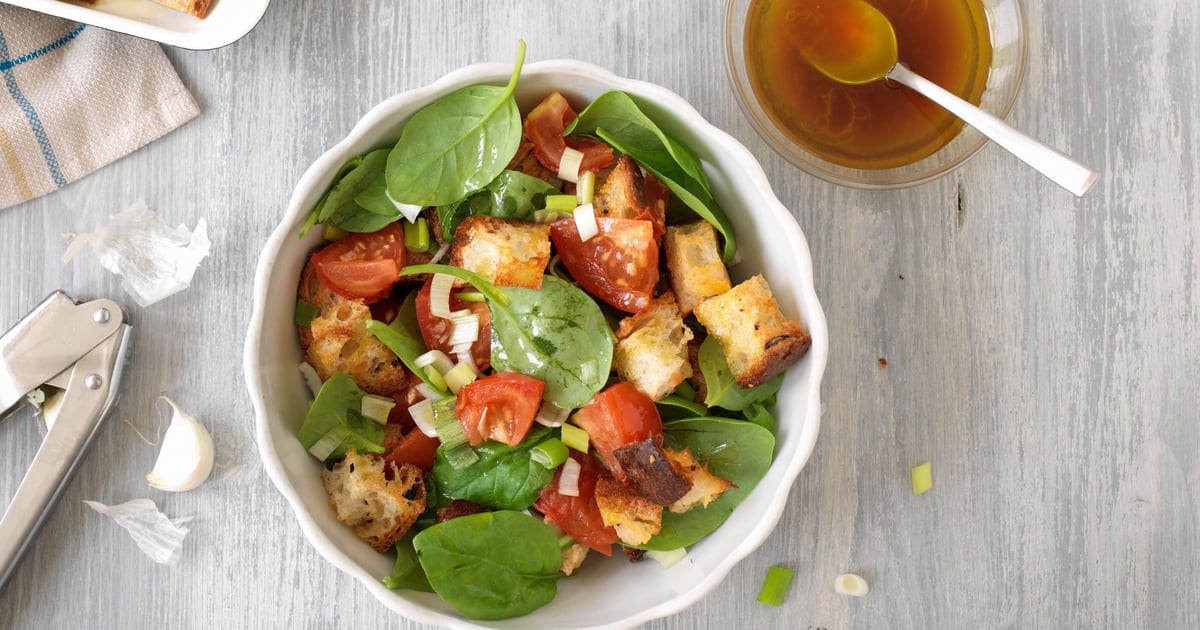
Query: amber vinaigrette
pixel 878 125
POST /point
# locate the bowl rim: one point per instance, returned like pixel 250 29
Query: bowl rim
pixel 754 176
pixel 816 166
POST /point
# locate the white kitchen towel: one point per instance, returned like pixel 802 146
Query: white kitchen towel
pixel 75 98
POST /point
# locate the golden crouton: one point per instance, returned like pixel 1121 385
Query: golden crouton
pixel 651 472
pixel 694 262
pixel 197 8
pixel 509 253
pixel 380 510
pixel 633 516
pixel 706 487
pixel 623 193
pixel 759 341
pixel 572 557
pixel 652 348
pixel 337 340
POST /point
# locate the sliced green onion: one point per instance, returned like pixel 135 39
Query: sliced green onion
pixel 922 478
pixel 439 297
pixel 550 453
pixel 585 190
pixel 568 165
pixel 585 222
pixel 466 329
pixel 461 456
pixel 551 415
pixel 305 313
pixel 575 437
pixel 550 216
pixel 667 559
pixel 437 359
pixel 311 378
pixel 568 479
pixel 449 430
pixel 377 408
pixel 333 232
pixel 850 584
pixel 560 203
pixel 416 236
pixel 460 376
pixel 775 586
pixel 435 378
pixel 328 443
pixel 422 415
pixel 471 296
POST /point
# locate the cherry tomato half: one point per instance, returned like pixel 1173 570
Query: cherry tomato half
pixel 436 331
pixel 579 516
pixel 618 265
pixel 616 417
pixel 499 407
pixel 544 127
pixel 363 266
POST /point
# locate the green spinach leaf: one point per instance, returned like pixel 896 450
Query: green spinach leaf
pixel 407 573
pixel 339 406
pixel 723 390
pixel 505 477
pixel 339 206
pixel 493 565
pixel 456 144
pixel 512 195
pixel 675 407
pixel 732 449
pixel 616 119
pixel 403 337
pixel 551 333
pixel 762 416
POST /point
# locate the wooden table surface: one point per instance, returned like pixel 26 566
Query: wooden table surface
pixel 1040 349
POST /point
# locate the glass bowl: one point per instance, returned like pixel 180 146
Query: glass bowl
pixel 1006 28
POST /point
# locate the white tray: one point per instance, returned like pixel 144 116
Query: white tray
pixel 227 21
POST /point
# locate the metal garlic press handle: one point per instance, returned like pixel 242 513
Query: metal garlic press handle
pixel 82 393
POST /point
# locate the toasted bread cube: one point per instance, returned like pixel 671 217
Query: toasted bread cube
pixel 694 262
pixel 572 557
pixel 759 342
pixel 706 487
pixel 197 8
pixel 380 510
pixel 634 517
pixel 651 472
pixel 337 340
pixel 623 193
pixel 652 348
pixel 509 253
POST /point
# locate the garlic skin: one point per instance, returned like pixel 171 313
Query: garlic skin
pixel 185 459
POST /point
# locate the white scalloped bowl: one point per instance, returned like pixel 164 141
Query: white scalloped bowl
pixel 606 592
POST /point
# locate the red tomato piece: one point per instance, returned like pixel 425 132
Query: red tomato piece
pixel 436 331
pixel 363 266
pixel 414 448
pixel 616 417
pixel 618 265
pixel 499 407
pixel 544 127
pixel 579 516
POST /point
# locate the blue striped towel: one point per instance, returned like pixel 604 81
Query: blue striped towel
pixel 75 98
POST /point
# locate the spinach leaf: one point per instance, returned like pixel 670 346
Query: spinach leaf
pixel 493 565
pixel 338 406
pixel 723 390
pixel 339 206
pixel 762 416
pixel 456 144
pixel 505 477
pixel 512 195
pixel 732 449
pixel 550 333
pixel 407 573
pixel 373 198
pixel 674 407
pixel 403 337
pixel 616 119
pixel 315 215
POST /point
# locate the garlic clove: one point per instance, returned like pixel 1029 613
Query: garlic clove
pixel 185 459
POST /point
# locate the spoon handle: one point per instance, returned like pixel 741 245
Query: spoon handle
pixel 1064 171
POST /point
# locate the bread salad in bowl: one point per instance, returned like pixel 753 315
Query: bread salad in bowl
pixel 536 354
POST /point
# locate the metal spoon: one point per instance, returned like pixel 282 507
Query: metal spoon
pixel 867 52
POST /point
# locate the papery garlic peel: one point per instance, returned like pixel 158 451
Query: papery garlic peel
pixel 185 459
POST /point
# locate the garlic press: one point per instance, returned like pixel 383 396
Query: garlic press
pixel 65 358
